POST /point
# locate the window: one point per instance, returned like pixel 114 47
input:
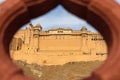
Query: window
pixel 60 31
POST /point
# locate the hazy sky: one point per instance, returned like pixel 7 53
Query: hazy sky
pixel 59 17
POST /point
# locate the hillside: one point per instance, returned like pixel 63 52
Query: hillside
pixel 69 71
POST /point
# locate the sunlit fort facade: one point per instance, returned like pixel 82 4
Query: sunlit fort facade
pixel 57 45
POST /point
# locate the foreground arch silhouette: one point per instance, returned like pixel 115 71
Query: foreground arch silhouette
pixel 103 15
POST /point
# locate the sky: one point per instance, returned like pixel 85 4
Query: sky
pixel 59 17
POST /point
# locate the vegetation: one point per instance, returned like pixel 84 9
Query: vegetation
pixel 69 71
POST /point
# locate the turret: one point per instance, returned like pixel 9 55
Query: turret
pixel 84 31
pixel 31 25
pixel 37 30
pixel 83 28
pixel 38 27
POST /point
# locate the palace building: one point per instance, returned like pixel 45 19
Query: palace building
pixel 65 44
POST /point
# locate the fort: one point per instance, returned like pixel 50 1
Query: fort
pixel 57 46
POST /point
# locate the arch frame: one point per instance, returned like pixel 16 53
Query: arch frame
pixel 103 15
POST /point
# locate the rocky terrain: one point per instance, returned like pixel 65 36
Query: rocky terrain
pixel 68 71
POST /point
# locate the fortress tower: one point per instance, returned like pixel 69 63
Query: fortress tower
pixel 84 40
pixel 36 35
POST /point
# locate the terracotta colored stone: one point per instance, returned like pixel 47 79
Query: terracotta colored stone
pixel 104 15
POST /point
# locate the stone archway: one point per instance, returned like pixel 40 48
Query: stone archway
pixel 103 15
